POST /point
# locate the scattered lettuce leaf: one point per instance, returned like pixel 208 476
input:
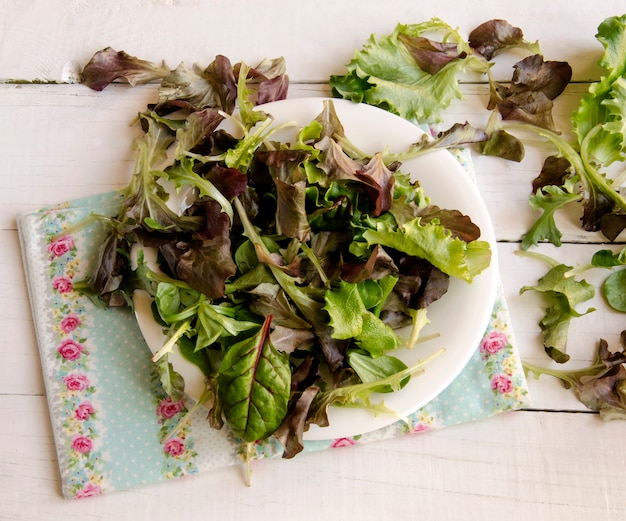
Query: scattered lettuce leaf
pixel 385 73
pixel 601 386
pixel 564 293
pixel 108 65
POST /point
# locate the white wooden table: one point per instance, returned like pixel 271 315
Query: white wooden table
pixel 60 141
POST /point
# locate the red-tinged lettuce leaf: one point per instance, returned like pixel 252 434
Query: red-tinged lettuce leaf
pixel 330 122
pixel 288 340
pixel 496 36
pixel 203 264
pixel 534 85
pixel 268 80
pixel 283 164
pixel 107 276
pixel 109 65
pixel 535 74
pixel 601 386
pixel 291 216
pixel 555 171
pixel 531 107
pixel 199 126
pixel 334 350
pixel 595 206
pixel 337 165
pixel 196 88
pixel 270 299
pixel 228 181
pixel 504 145
pixel 379 182
pixel 430 55
pixel 378 265
pixel 216 222
pixel 612 224
pixel 291 430
pixel 420 283
pixel 457 223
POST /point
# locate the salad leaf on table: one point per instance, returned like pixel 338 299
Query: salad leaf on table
pixel 564 293
pixel 283 270
pixel 600 387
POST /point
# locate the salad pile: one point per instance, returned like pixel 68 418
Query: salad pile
pixel 288 269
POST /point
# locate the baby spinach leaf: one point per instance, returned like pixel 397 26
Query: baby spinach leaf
pixel 614 290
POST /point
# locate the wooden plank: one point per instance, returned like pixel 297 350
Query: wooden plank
pixel 39 38
pixel 486 468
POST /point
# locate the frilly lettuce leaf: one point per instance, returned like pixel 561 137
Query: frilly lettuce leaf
pixel 434 243
pixel 385 73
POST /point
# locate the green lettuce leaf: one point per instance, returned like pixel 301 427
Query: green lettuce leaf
pixel 434 243
pixel 384 73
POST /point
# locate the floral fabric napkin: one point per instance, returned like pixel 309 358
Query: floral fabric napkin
pixel 111 419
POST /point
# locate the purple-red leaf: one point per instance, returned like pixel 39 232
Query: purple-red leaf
pixel 109 65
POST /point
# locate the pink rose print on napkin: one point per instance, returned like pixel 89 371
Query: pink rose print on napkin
pixel 70 349
pixel 82 444
pixel 174 447
pixel 88 490
pixel 343 442
pixel 168 409
pixel 70 323
pixel 76 382
pixel 501 383
pixel 84 411
pixel 62 284
pixel 495 341
pixel 61 246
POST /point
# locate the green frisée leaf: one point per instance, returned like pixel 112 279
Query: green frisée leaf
pixel 254 382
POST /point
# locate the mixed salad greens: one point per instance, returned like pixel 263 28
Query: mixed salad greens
pixel 415 72
pixel 289 267
pixel 412 74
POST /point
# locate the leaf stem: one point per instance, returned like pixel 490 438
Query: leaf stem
pixel 171 342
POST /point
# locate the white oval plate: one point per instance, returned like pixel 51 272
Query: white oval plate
pixel 459 319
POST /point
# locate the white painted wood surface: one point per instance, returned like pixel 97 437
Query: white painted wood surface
pixel 60 141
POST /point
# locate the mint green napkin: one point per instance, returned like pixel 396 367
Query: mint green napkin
pixel 109 416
